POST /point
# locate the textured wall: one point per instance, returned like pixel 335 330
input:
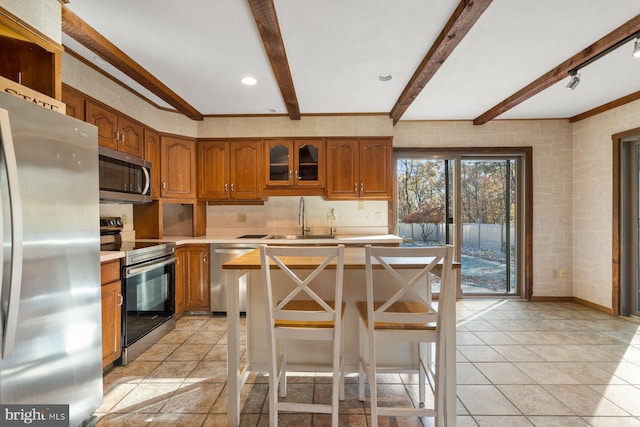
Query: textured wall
pixel 380 125
pixel 552 177
pixel 592 203
pixel 43 15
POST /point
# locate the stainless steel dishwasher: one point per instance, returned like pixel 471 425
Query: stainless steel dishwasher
pixel 221 279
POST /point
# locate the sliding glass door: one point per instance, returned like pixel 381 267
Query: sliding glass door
pixel 472 203
pixel 489 245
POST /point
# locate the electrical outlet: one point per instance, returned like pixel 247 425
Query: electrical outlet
pixel 241 217
pixel 124 219
pixel 360 205
pixel 563 273
pixel 554 273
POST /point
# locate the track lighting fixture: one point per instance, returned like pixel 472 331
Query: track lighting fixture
pixel 575 75
pixel 636 48
pixel 575 80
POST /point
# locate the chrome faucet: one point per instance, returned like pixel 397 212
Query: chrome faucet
pixel 301 216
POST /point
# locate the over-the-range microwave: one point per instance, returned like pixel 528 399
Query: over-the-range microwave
pixel 123 178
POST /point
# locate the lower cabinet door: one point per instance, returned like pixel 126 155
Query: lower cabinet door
pixel 198 293
pixel 111 322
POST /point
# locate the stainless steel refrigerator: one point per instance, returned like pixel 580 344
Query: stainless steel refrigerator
pixel 50 322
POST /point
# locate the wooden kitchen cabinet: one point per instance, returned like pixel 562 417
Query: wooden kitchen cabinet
pixel 294 163
pixel 359 168
pixel 29 58
pixel 177 168
pixel 74 102
pixel 115 131
pixel 181 281
pixel 111 311
pixel 152 154
pixel 230 170
pixel 197 291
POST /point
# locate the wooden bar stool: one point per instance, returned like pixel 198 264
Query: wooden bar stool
pixel 302 315
pixel 408 315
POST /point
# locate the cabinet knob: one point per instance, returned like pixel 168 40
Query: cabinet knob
pixel 290 172
pixel 226 187
pixel 164 185
pixel 362 186
pixel 356 187
pixel 121 300
pixel 204 259
pixel 297 176
pixel 232 187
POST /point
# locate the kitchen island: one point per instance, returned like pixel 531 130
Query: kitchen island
pixel 353 291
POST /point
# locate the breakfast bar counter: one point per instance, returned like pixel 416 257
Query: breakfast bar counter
pixel 354 265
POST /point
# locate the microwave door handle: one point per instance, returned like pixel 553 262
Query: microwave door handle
pixel 10 324
pixel 147 180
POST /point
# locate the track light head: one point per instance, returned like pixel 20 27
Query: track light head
pixel 636 48
pixel 575 80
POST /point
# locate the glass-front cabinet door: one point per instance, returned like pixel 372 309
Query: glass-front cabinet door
pixel 295 163
pixel 280 170
pixel 308 162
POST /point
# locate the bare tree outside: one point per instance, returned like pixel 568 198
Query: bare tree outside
pixel 421 195
pixel 488 200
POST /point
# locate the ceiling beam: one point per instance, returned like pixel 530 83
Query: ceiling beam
pixel 76 28
pixel 264 13
pixel 561 71
pixel 459 24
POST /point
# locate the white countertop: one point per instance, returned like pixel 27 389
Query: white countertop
pixel 110 255
pixel 186 240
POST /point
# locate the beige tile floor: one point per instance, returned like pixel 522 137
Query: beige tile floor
pixel 519 364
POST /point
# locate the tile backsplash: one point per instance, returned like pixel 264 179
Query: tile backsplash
pixel 279 215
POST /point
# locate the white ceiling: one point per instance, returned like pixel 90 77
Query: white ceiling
pixel 336 49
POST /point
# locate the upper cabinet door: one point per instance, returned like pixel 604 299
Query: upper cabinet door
pixel 131 137
pixel 375 168
pixel 359 168
pixel 213 170
pixel 342 169
pixel 107 123
pixel 74 102
pixel 245 169
pixel 309 163
pixel 152 154
pixel 279 154
pixel 178 167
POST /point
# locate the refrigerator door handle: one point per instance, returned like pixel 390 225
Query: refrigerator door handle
pixel 147 180
pixel 10 324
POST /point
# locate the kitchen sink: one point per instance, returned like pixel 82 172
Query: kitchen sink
pixel 299 236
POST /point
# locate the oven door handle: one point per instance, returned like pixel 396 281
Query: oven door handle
pixel 134 271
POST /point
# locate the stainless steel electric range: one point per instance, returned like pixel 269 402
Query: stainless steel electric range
pixel 148 288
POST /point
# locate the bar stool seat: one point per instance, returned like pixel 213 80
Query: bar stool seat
pixel 302 315
pixel 408 315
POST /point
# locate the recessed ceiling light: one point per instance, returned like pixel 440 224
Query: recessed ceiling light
pixel 385 77
pixel 249 81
